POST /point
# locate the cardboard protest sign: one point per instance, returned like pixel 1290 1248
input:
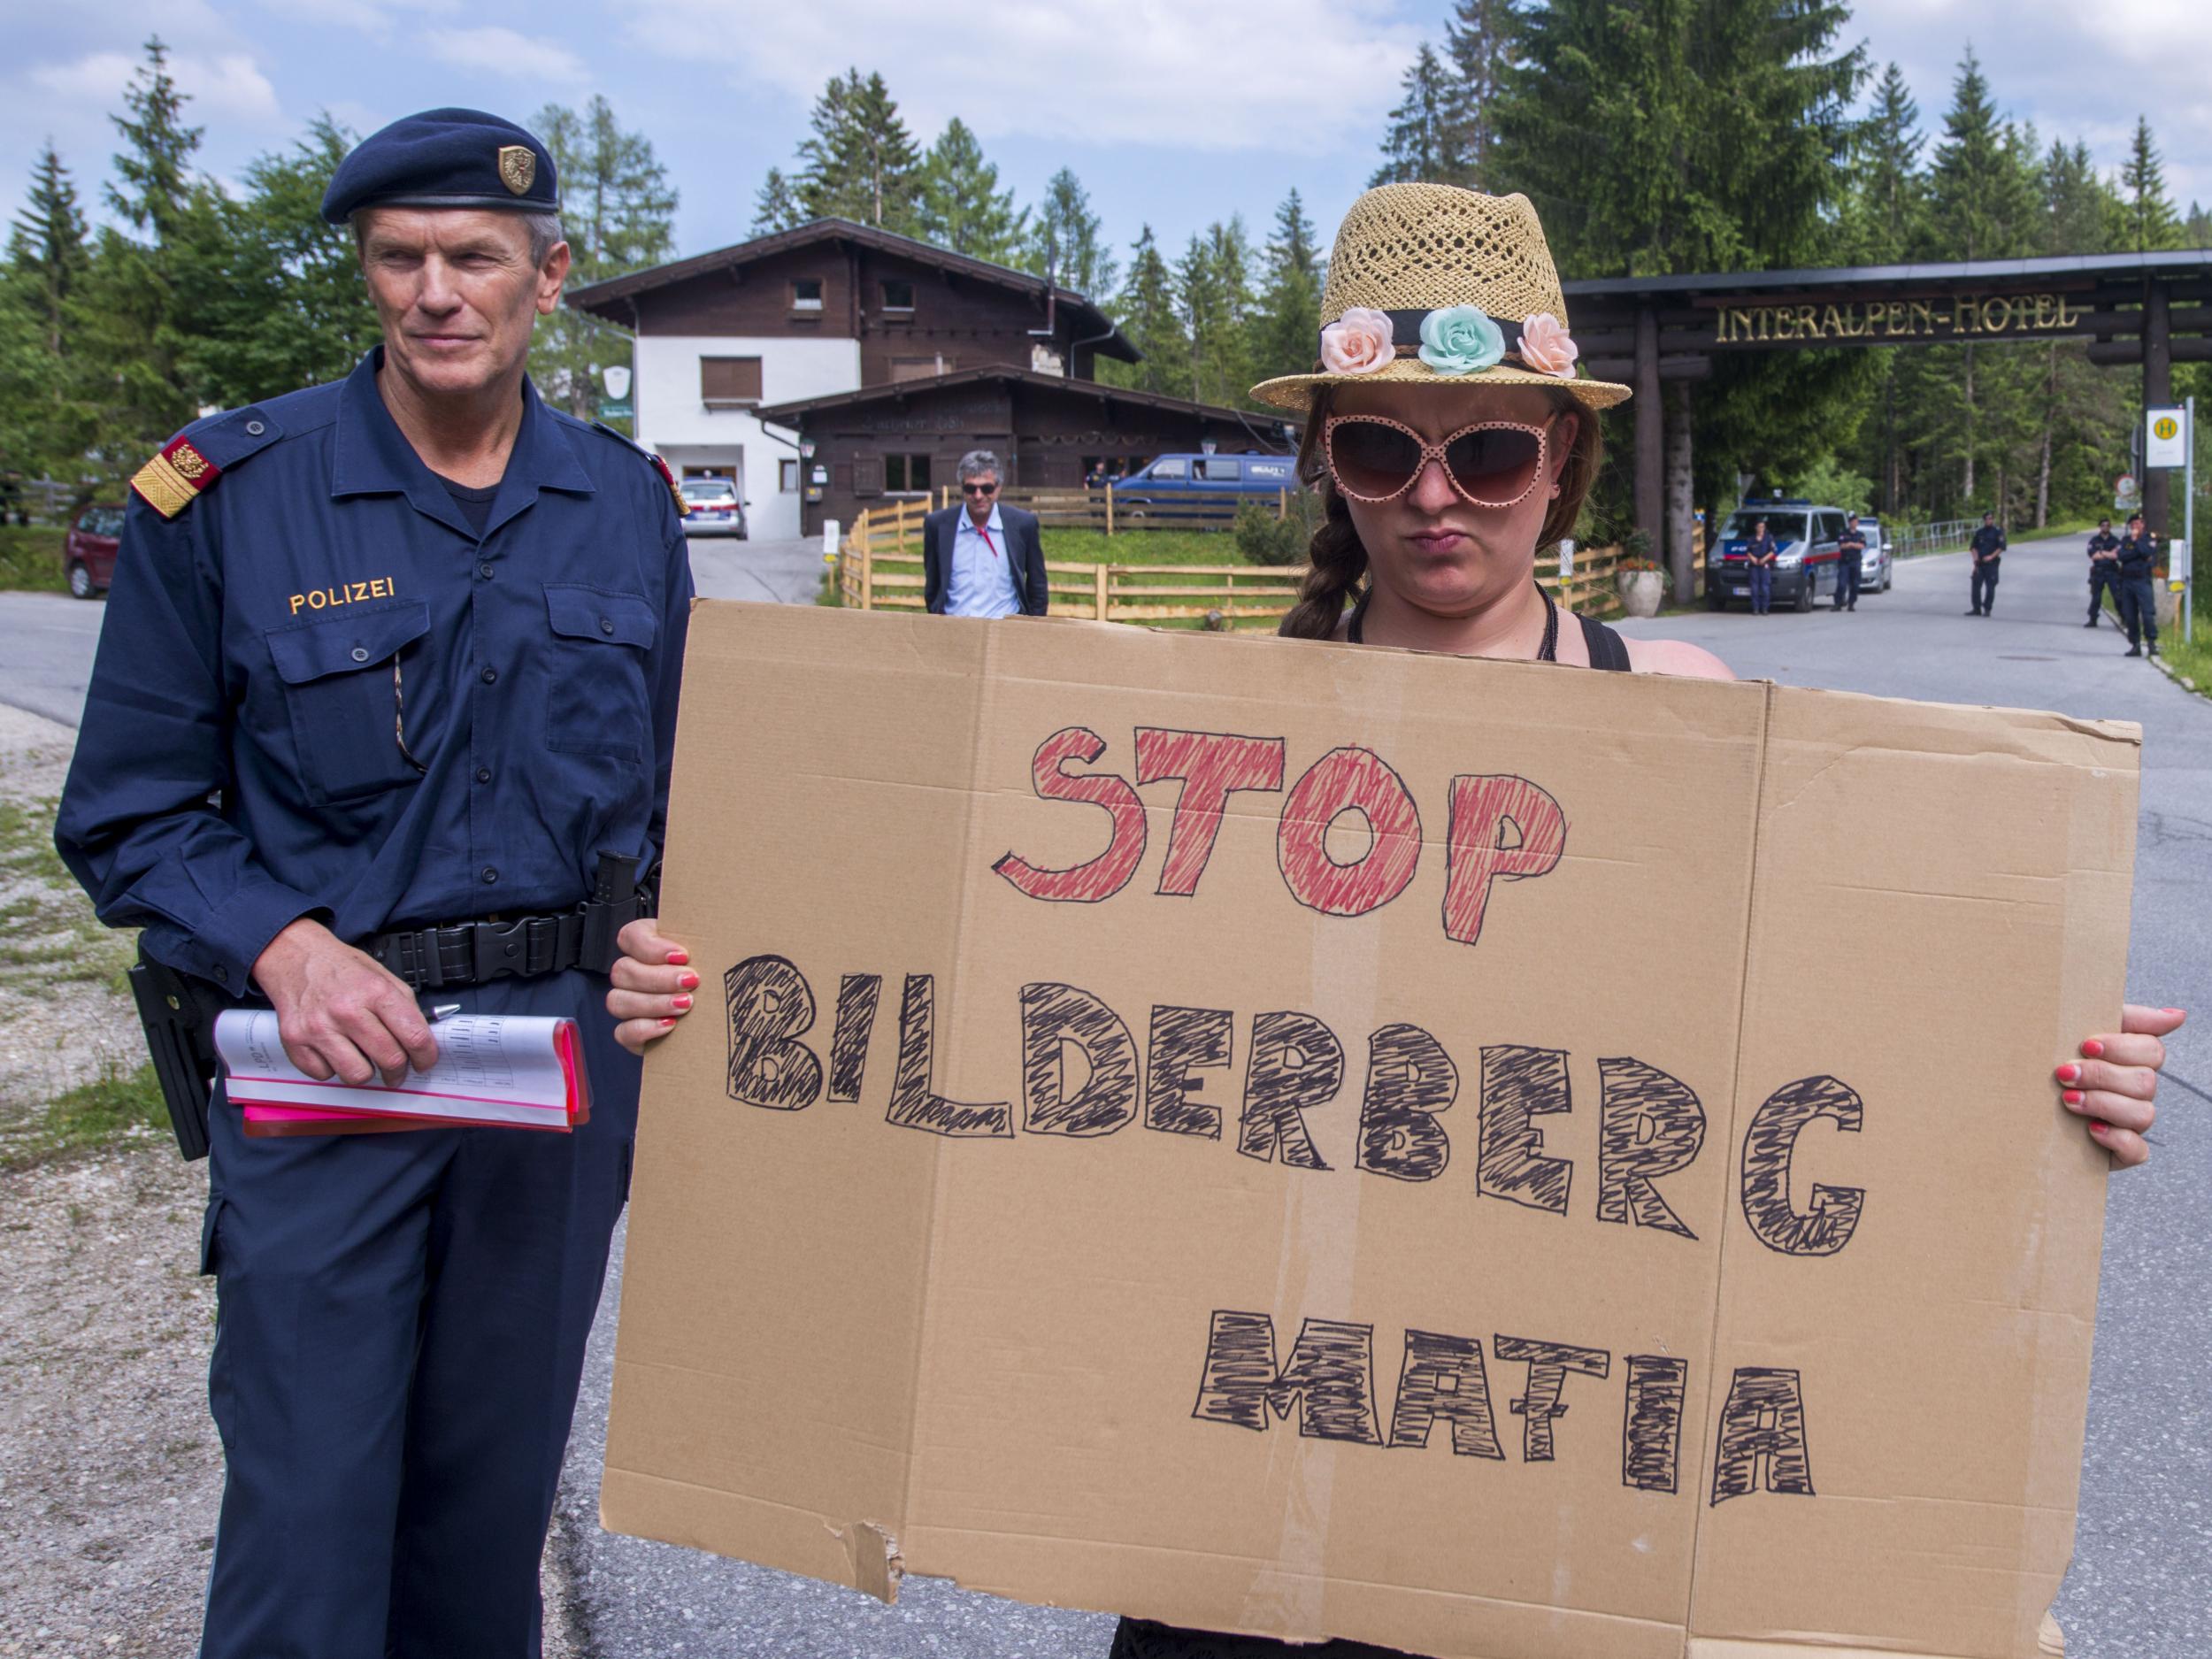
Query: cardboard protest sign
pixel 1490 1159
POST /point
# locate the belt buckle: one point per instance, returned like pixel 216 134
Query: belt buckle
pixel 500 949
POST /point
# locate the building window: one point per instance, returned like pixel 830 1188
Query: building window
pixel 898 297
pixel 906 474
pixel 729 382
pixel 922 368
pixel 806 294
pixel 787 476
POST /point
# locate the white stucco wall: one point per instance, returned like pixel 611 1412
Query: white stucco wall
pixel 670 417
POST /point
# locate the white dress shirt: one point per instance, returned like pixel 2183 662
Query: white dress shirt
pixel 981 580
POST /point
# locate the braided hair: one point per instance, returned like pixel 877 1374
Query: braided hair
pixel 1337 560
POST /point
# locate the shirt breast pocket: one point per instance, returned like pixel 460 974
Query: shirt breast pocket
pixel 597 701
pixel 344 700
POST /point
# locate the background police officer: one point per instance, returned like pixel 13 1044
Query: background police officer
pixel 2104 569
pixel 382 658
pixel 2139 605
pixel 1989 548
pixel 1850 558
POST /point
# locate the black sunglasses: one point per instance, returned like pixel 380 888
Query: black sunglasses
pixel 979 489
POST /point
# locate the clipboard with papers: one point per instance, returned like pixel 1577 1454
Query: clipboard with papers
pixel 506 1071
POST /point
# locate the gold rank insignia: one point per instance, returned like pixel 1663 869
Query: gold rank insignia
pixel 169 482
pixel 517 167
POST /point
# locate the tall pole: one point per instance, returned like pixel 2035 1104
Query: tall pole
pixel 2189 523
pixel 2158 389
pixel 1650 509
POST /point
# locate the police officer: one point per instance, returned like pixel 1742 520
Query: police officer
pixel 2139 605
pixel 1989 547
pixel 388 666
pixel 2104 570
pixel 1850 555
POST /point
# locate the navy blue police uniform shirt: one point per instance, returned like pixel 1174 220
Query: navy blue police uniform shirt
pixel 2136 556
pixel 1989 542
pixel 240 763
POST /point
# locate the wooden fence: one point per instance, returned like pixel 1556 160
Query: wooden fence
pixel 1117 511
pixel 879 568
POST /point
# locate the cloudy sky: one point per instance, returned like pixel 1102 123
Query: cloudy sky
pixel 1170 113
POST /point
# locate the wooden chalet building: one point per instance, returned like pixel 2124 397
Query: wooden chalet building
pixel 837 364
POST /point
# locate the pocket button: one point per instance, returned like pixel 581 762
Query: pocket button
pixel 606 625
pixel 360 653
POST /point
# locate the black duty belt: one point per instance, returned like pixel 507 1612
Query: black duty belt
pixel 519 947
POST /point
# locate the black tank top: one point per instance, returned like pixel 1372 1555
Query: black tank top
pixel 1608 650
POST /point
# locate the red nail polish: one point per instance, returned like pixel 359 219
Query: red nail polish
pixel 668 1022
pixel 2092 1047
pixel 2100 1129
pixel 2068 1073
pixel 690 981
pixel 2073 1097
pixel 679 957
pixel 683 1002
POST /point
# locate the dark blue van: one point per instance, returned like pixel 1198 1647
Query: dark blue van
pixel 1173 480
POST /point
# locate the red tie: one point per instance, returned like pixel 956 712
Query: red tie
pixel 984 530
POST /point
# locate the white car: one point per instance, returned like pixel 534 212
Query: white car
pixel 1878 568
pixel 711 508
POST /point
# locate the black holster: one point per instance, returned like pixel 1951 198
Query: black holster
pixel 179 1014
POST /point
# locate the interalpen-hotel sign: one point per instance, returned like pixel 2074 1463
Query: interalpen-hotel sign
pixel 1869 321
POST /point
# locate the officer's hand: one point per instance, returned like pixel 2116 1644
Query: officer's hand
pixel 2116 1086
pixel 651 984
pixel 340 1013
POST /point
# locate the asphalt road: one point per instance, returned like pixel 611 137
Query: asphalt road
pixel 2142 1584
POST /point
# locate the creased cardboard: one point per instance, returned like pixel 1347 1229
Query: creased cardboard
pixel 1489 1159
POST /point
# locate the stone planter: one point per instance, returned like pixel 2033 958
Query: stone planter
pixel 1641 591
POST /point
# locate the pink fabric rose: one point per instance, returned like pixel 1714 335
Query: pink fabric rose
pixel 1357 342
pixel 1546 347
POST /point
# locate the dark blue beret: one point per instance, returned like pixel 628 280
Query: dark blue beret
pixel 445 158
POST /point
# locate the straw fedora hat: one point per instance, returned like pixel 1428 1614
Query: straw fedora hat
pixel 1432 284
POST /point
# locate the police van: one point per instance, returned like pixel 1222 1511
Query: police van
pixel 1806 560
pixel 1173 480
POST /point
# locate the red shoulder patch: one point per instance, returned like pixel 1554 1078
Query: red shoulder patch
pixel 669 479
pixel 175 479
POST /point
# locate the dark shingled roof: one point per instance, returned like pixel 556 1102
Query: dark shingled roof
pixel 604 299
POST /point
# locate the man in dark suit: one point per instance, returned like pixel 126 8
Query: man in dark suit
pixel 981 558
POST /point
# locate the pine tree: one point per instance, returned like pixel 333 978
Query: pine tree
pixel 1979 196
pixel 1724 125
pixel 1068 239
pixel 2079 207
pixel 961 206
pixel 1287 330
pixel 47 247
pixel 1478 39
pixel 1152 322
pixel 861 162
pixel 2152 224
pixel 1427 140
pixel 1213 280
pixel 1887 204
pixel 2196 230
pixel 131 303
pixel 619 212
pixel 776 208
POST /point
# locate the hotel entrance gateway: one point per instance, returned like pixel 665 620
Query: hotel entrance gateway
pixel 1661 335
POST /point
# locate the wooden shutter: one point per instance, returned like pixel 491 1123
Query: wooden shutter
pixel 729 379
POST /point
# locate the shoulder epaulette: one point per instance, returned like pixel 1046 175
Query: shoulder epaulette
pixel 189 463
pixel 659 465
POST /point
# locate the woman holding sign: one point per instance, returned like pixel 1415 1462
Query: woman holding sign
pixel 1448 437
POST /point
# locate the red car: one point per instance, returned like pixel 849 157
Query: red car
pixel 88 552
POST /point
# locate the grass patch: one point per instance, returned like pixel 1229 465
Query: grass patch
pixel 1141 547
pixel 48 933
pixel 30 559
pixel 117 1102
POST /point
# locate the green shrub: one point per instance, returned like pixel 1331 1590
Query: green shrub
pixel 30 559
pixel 1263 539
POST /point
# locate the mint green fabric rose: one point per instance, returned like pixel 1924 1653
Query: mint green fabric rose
pixel 1461 340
